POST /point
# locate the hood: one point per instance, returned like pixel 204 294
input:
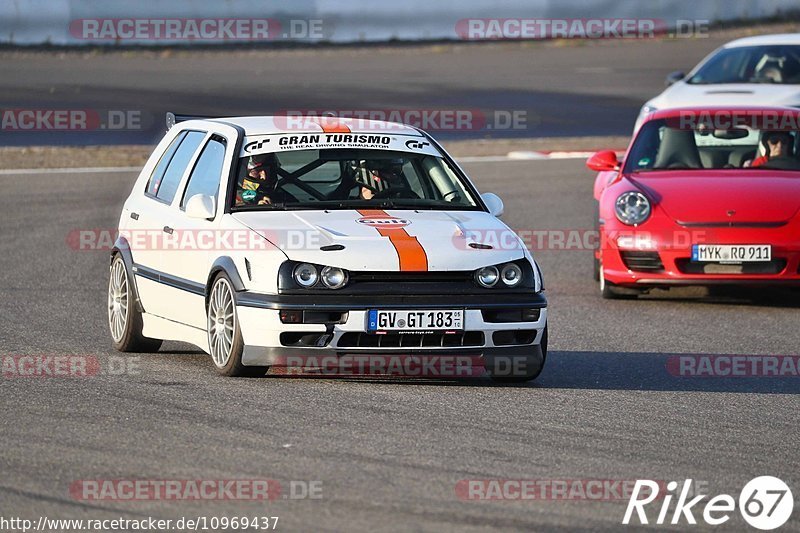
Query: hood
pixel 389 240
pixel 733 197
pixel 684 94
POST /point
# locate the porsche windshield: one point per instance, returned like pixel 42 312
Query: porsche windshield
pixel 751 64
pixel 341 178
pixel 664 145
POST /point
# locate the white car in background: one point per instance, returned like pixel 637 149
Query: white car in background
pixel 753 71
pixel 255 240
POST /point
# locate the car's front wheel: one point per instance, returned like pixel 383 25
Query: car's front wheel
pixel 124 319
pixel 609 291
pixel 224 334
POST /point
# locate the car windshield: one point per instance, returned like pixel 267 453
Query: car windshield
pixel 666 144
pixel 751 64
pixel 341 178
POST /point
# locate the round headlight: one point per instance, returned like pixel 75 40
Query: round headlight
pixel 632 208
pixel 511 275
pixel 487 276
pixel 333 277
pixel 305 275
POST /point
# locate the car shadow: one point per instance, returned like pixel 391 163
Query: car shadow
pixel 623 371
pixel 787 298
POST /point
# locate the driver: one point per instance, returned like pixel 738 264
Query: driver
pixel 378 175
pixel 776 144
pixel 258 186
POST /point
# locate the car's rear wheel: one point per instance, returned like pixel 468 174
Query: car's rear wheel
pixel 224 334
pixel 124 319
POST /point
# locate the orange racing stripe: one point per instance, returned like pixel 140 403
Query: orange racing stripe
pixel 332 125
pixel 410 252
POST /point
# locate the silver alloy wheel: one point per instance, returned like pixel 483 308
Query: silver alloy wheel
pixel 221 322
pixel 118 300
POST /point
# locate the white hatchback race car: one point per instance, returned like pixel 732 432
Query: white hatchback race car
pixel 262 238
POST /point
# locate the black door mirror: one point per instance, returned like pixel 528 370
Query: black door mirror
pixel 672 77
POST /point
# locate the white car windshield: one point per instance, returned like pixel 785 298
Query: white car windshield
pixel 751 64
pixel 342 178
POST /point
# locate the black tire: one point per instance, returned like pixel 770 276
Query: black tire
pixel 609 291
pixel 126 332
pixel 531 370
pixel 227 359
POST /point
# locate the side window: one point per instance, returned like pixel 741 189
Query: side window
pixel 207 171
pixel 158 173
pixel 177 166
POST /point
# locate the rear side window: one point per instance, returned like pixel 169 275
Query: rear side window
pixel 207 171
pixel 158 174
pixel 168 185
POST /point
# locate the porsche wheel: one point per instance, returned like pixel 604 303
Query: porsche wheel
pixel 124 319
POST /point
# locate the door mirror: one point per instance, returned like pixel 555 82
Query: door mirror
pixel 672 77
pixel 493 202
pixel 200 206
pixel 603 161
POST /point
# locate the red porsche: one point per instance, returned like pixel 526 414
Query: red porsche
pixel 702 197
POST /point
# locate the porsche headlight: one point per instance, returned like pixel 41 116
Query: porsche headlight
pixel 632 208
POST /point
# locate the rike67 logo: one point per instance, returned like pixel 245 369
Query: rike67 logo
pixel 765 503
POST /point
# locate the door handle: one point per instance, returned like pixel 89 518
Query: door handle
pixel 167 229
pixel 135 216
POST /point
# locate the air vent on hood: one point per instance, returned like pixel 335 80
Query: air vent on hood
pixel 332 247
pixel 480 246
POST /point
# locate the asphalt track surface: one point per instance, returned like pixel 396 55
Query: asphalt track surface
pixel 574 90
pixel 389 452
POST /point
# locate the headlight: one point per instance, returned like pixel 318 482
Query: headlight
pixel 632 208
pixel 487 276
pixel 333 277
pixel 306 275
pixel 511 275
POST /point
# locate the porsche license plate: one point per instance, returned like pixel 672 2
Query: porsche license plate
pixel 731 253
pixel 379 320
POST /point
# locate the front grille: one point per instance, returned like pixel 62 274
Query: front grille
pixel 411 340
pixel 408 277
pixel 642 261
pixel 775 266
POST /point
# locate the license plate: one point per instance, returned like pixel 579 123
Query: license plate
pixel 731 253
pixel 416 320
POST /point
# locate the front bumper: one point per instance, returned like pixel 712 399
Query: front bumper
pixel 627 264
pixel 268 340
